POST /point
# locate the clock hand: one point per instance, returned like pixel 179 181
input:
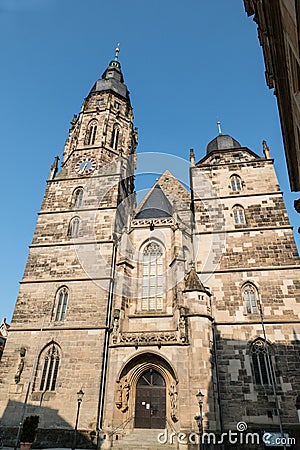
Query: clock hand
pixel 84 166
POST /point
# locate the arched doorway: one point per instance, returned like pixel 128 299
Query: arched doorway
pixel 150 401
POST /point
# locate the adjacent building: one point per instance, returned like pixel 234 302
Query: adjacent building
pixel 278 24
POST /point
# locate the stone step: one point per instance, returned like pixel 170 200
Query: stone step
pixel 141 439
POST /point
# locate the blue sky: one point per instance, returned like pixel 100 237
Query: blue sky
pixel 186 64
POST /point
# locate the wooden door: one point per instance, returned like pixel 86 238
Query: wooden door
pixel 150 402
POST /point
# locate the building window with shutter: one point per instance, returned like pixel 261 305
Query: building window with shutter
pixel 115 137
pixel 77 197
pixel 236 183
pixel 62 297
pixel 250 297
pixel 73 229
pixel 239 215
pixel 91 132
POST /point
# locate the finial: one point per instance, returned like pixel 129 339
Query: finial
pixel 266 150
pixel 192 157
pixel 117 51
pixel 219 127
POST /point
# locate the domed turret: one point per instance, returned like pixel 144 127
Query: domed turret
pixel 222 142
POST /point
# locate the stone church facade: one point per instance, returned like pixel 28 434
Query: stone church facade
pixel 143 305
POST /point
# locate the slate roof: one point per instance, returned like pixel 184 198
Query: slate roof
pixel 156 205
pixel 222 142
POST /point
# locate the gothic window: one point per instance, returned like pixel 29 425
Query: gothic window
pixel 262 363
pixel 50 363
pixel 117 105
pixel 238 215
pixel 61 304
pixel 74 227
pixel 77 197
pixel 152 278
pixel 236 183
pixel 115 137
pixel 250 296
pixel 91 133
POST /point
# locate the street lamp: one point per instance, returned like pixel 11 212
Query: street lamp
pixel 199 419
pixel 298 406
pixel 80 395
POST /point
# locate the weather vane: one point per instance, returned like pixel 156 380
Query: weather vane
pixel 117 51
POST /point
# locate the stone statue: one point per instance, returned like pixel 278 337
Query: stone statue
pixel 125 395
pixel 119 396
pixel 173 401
pixel 115 330
pixel 182 328
pixel 21 365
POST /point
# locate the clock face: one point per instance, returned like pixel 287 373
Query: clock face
pixel 85 166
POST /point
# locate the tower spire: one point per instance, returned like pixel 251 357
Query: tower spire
pixel 117 51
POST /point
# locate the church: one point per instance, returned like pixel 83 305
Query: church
pixel 176 314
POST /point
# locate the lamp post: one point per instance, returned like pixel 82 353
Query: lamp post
pixel 298 406
pixel 199 419
pixel 80 395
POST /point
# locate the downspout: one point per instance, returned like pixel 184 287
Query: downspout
pixel 270 367
pixel 106 338
pixel 214 331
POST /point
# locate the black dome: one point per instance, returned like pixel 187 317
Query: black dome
pixel 222 142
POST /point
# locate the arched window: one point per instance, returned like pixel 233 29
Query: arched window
pixel 91 133
pixel 77 197
pixel 250 297
pixel 61 304
pixel 115 137
pixel 50 363
pixel 238 215
pixel 152 278
pixel 236 183
pixel 74 227
pixel 262 363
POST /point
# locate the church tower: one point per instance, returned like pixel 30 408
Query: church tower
pixel 59 333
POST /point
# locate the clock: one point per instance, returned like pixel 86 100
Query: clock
pixel 85 166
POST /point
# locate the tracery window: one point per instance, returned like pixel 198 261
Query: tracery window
pixel 91 133
pixel 78 197
pixel 73 230
pixel 62 297
pixel 262 363
pixel 236 183
pixel 115 137
pixel 238 215
pixel 152 295
pixel 250 296
pixel 50 369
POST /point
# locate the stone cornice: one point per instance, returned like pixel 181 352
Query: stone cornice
pixel 252 269
pixel 238 230
pixel 64 280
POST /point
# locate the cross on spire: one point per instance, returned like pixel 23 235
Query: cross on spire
pixel 117 51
